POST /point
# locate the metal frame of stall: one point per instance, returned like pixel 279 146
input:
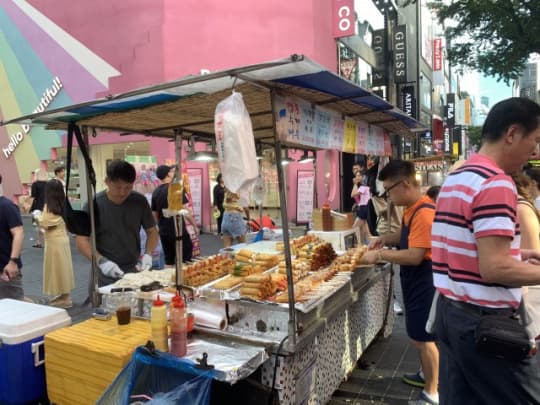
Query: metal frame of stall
pixel 379 113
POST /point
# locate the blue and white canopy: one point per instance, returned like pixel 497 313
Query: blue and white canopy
pixel 187 105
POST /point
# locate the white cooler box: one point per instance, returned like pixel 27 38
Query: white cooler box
pixel 22 371
pixel 340 240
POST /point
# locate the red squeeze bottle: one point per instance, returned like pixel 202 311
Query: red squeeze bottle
pixel 178 327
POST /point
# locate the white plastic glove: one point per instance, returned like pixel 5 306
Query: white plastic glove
pixel 146 262
pixel 110 269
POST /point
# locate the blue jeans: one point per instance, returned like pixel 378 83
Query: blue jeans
pixel 468 377
pixel 233 225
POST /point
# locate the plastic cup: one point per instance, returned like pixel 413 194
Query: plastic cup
pixel 123 315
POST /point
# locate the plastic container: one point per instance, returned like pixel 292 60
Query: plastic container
pixel 22 327
pixel 83 360
pixel 158 322
pixel 178 327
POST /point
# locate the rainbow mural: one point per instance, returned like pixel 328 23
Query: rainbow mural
pixel 41 67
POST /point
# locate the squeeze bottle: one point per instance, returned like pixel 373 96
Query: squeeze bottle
pixel 178 327
pixel 158 321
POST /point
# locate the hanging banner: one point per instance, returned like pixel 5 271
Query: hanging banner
pixel 191 231
pixel 304 196
pixel 343 18
pixel 323 127
pixel 195 186
pixel 379 47
pixel 437 54
pixel 408 101
pixel 298 121
pixel 450 110
pixel 307 124
pixel 362 138
pixel 349 136
pixel 400 54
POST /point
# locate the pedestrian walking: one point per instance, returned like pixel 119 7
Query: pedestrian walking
pixel 11 240
pixel 478 265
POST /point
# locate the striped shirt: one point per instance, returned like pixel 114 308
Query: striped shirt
pixel 477 200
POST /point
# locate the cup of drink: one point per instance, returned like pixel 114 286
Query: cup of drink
pixel 123 315
pixel 121 303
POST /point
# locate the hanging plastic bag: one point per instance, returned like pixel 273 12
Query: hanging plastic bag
pixel 235 145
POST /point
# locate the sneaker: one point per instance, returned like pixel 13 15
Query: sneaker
pixel 414 379
pixel 423 399
pixel 397 308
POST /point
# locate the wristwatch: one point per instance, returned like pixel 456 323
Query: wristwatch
pixel 15 260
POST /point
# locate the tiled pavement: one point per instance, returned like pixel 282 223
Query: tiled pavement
pixel 377 379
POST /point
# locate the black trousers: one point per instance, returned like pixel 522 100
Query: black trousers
pixel 168 243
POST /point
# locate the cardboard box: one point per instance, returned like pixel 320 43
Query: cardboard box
pixel 341 222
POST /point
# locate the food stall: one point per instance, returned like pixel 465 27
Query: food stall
pixel 308 337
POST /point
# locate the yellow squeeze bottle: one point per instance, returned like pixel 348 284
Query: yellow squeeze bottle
pixel 174 197
pixel 158 322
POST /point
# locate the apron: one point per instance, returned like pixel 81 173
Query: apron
pixel 417 287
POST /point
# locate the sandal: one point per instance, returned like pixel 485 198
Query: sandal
pixel 37 245
pixel 66 304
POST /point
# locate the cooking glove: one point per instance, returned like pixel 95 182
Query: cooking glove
pixel 146 262
pixel 110 269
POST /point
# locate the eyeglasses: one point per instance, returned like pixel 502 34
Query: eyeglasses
pixel 387 191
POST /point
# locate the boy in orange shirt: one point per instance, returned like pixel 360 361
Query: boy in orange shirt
pixel 414 258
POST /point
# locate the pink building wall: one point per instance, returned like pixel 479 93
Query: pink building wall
pixel 151 41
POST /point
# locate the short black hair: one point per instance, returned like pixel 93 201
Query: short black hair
pixel 514 110
pixel 219 177
pixel 398 169
pixel 59 169
pixel 121 170
pixel 433 192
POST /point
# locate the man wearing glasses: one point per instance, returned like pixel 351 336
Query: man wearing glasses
pixel 414 258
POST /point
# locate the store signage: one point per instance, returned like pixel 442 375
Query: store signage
pixel 450 110
pixel 344 17
pixel 447 141
pixel 437 54
pixel 47 98
pixel 400 54
pixel 408 101
pixel 379 47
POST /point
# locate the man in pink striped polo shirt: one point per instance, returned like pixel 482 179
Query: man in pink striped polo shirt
pixel 478 267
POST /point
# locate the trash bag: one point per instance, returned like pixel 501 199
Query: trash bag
pixel 162 378
pixel 235 145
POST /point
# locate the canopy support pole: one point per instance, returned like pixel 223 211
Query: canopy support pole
pixel 285 228
pixel 95 297
pixel 179 218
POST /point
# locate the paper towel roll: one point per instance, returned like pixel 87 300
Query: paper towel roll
pixel 208 319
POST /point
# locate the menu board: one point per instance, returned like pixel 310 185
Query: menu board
pixel 304 196
pixel 300 122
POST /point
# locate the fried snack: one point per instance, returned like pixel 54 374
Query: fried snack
pixel 257 278
pixel 228 282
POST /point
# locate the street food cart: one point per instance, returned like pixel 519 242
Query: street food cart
pixel 305 346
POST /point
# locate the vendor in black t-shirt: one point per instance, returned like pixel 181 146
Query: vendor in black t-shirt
pixel 166 225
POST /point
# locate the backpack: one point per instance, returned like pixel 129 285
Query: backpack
pixel 372 218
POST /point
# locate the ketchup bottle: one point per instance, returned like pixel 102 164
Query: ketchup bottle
pixel 178 326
